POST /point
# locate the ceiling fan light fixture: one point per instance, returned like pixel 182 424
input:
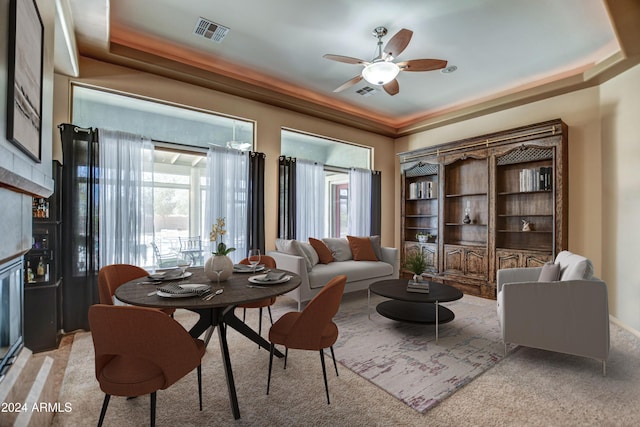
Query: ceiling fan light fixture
pixel 380 73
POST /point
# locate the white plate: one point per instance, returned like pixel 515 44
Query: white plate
pixel 257 279
pixel 185 295
pixel 167 276
pixel 248 268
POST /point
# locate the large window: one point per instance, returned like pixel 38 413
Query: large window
pixel 159 121
pixel 181 137
pixel 338 157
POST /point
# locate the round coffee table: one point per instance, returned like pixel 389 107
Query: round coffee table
pixel 415 307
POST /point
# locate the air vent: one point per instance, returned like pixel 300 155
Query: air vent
pixel 210 30
pixel 367 91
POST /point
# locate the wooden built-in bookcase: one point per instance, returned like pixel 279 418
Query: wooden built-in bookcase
pixel 475 196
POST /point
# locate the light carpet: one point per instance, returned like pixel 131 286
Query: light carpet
pixel 405 360
pixel 530 387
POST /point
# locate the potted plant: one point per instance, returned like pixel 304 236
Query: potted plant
pixel 424 237
pixel 219 266
pixel 415 263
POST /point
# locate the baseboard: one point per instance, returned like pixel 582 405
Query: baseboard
pixel 624 326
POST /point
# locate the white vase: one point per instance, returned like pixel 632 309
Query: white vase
pixel 218 263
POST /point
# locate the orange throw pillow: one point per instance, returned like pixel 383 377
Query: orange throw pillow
pixel 322 250
pixel 362 249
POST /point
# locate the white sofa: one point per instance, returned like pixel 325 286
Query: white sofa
pixel 360 274
pixel 569 314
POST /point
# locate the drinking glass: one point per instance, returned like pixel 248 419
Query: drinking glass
pixel 254 258
pixel 183 264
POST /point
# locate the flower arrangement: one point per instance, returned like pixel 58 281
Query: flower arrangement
pixel 217 231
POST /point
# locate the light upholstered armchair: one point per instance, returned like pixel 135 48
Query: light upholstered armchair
pixel 559 307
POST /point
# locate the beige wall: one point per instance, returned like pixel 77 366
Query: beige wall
pixel 604 175
pixel 620 133
pixel 269 121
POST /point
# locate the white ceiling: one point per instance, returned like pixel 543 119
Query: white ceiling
pixel 499 46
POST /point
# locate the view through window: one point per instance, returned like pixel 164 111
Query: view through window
pixel 181 137
pixel 337 157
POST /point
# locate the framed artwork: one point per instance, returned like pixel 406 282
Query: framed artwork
pixel 24 109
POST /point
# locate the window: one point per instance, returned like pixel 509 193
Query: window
pixel 337 157
pixel 181 137
pixel 159 121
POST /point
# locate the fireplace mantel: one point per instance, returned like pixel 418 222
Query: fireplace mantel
pixel 18 183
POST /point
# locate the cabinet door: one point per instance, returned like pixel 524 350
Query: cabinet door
pixel 453 259
pixel 535 260
pixel 507 259
pixel 430 254
pixel 475 261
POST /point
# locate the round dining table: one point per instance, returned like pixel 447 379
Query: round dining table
pixel 217 311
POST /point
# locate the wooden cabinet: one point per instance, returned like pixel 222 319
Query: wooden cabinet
pixel 501 203
pixel 429 252
pixel 420 211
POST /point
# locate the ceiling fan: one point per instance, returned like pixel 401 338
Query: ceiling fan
pixel 381 70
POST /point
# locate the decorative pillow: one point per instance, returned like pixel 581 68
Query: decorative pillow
pixel 324 254
pixel 293 247
pixel 574 266
pixel 310 254
pixel 339 248
pixel 375 242
pixel 361 248
pixel 288 247
pixel 550 273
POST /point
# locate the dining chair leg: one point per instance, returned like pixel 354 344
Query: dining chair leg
pixel 153 409
pixel 335 365
pixel 270 316
pixel 244 315
pixel 260 324
pixel 324 374
pixel 105 403
pixel 286 354
pixel 207 335
pixel 271 349
pixel 199 372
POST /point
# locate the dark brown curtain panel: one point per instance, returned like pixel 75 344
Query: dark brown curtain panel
pixel 376 202
pixel 287 198
pixel 255 215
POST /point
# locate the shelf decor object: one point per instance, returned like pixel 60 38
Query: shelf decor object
pixel 497 201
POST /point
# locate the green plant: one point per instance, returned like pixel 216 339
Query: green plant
pixel 421 235
pixel 415 262
pixel 217 231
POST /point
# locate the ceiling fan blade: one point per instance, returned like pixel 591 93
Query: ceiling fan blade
pixel 345 59
pixel 348 84
pixel 422 64
pixel 398 43
pixel 392 87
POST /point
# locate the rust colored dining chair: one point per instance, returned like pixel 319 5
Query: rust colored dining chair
pixel 268 262
pixel 110 277
pixel 139 351
pixel 311 328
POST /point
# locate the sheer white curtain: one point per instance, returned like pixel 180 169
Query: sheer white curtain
pixel 310 203
pixel 227 195
pixel 125 203
pixel 359 202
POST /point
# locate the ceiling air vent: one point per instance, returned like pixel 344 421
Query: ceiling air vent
pixel 210 30
pixel 367 91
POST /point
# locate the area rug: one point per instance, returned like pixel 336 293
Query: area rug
pixel 405 360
